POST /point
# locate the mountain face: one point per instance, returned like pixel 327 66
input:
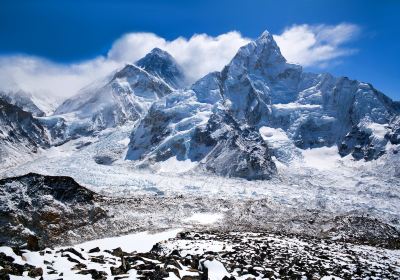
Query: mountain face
pixel 180 126
pixel 20 133
pixel 260 89
pixel 231 119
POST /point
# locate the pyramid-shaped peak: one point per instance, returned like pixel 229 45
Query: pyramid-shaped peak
pixel 260 53
pixel 163 65
pixel 266 35
pixel 159 52
pixel 156 56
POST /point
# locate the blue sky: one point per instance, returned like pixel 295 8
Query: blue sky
pixel 66 32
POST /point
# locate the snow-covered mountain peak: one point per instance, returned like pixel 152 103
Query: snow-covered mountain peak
pixel 161 64
pixel 262 55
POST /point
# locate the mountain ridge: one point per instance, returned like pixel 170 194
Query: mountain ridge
pixel 257 93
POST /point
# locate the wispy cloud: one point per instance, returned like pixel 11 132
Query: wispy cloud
pixel 309 45
pixel 317 45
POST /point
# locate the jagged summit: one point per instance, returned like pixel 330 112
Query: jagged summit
pixel 161 64
pixel 261 54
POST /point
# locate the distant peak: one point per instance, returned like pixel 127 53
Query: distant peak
pixel 163 65
pixel 159 51
pixel 157 54
pixel 266 35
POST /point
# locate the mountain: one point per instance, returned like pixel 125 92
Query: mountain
pixel 261 89
pixel 21 134
pixel 124 96
pixel 161 64
pixel 258 107
pixel 258 112
pixel 23 100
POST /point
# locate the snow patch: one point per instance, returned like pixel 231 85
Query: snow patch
pixel 139 242
pixel 216 270
pixel 273 136
pixel 173 165
pixel 204 218
pixel 124 141
pixel 323 158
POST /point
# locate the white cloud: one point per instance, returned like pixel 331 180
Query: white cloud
pixel 198 55
pixel 45 78
pixel 316 45
pixel 304 44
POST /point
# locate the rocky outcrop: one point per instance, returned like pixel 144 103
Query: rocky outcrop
pixel 39 209
pixel 234 151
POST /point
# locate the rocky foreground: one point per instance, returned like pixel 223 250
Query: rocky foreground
pixel 249 239
pixel 208 255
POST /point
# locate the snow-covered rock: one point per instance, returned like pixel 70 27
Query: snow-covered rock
pixel 258 89
pixel 259 92
pixel 44 208
pixel 21 134
pixel 180 126
pixel 23 100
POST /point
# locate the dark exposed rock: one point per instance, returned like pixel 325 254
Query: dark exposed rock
pixel 96 275
pixel 73 251
pixel 35 272
pixel 39 204
pixel 32 243
pixel 161 64
pixel 94 250
pixel 236 152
